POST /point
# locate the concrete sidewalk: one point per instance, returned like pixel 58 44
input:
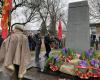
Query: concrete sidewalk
pixel 34 74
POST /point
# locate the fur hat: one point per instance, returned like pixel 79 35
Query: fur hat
pixel 19 27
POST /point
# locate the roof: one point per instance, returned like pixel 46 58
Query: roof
pixel 94 24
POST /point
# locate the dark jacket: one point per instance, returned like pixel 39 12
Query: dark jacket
pixel 47 40
pixel 38 40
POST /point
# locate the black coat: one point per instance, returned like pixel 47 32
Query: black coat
pixel 38 40
pixel 47 40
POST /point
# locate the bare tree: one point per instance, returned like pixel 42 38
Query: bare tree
pixel 43 13
pixel 94 10
pixel 30 8
pixel 16 4
pixel 54 8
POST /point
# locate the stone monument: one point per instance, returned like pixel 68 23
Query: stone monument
pixel 78 35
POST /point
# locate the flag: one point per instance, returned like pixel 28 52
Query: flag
pixel 60 30
pixel 7 5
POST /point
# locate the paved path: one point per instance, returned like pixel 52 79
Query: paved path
pixel 33 73
pixel 4 76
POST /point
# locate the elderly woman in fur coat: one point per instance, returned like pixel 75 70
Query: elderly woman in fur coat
pixel 15 54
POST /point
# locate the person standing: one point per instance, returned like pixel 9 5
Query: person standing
pixel 93 38
pixel 96 43
pixel 47 42
pixel 15 54
pixel 38 43
pixel 30 41
pixel 33 43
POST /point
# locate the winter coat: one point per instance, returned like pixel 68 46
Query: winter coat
pixel 15 50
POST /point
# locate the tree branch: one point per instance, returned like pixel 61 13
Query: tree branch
pixel 17 5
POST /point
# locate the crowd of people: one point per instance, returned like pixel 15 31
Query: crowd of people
pixel 15 51
pixel 35 42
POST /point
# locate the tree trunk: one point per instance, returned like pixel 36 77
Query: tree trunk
pixel 53 25
pixel 43 28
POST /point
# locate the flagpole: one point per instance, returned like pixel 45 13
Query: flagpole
pixel 9 23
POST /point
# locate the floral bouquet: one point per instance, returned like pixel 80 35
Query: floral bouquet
pixel 89 65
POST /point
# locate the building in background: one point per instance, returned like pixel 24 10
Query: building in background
pixel 95 29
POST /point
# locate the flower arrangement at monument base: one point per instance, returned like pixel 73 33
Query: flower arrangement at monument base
pixel 56 60
pixel 85 64
pixel 89 65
